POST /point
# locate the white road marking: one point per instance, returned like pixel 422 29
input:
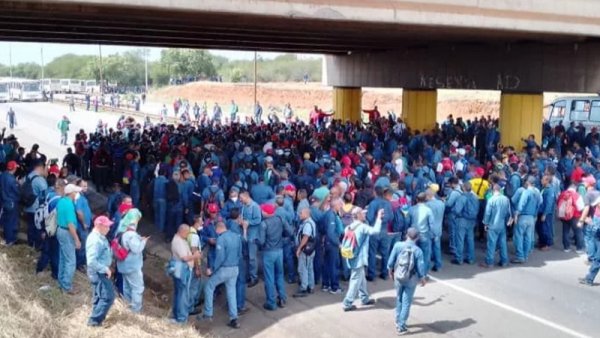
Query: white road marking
pixel 540 320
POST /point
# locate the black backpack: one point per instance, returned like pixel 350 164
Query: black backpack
pixel 172 192
pixel 27 195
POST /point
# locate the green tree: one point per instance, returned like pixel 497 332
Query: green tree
pixel 188 62
pixel 69 66
pixel 29 70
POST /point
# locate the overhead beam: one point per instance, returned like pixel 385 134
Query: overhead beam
pixel 523 67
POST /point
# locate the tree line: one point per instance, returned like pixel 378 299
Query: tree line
pixel 128 68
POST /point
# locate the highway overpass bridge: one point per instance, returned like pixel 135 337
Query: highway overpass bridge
pixel 521 47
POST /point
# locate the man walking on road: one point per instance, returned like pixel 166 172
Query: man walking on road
pixel 407 269
pixel 11 118
pixel 360 256
pixel 72 103
pixel 63 126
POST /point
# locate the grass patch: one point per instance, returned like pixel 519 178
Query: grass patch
pixel 32 306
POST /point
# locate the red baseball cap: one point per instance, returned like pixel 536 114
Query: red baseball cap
pixel 212 208
pixel 480 171
pixel 290 188
pixel 11 165
pixel 268 208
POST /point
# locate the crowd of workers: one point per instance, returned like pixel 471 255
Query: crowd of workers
pixel 312 202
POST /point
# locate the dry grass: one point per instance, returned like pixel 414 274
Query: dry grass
pixel 28 311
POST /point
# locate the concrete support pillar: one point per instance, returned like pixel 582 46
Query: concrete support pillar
pixel 419 109
pixel 520 116
pixel 347 103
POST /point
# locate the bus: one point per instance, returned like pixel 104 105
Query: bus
pixel 51 85
pixel 91 87
pixel 25 90
pixel 64 85
pixel 583 110
pixel 4 91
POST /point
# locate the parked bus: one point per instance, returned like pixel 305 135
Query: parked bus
pixel 92 87
pixel 25 90
pixel 4 91
pixel 51 85
pixel 578 109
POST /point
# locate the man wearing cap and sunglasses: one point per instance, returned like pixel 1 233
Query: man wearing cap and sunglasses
pixel 99 259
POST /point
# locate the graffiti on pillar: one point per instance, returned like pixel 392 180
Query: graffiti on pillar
pixel 507 82
pixel 447 82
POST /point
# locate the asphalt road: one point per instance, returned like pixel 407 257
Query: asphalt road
pixel 539 299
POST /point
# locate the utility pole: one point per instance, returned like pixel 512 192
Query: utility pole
pixel 100 69
pixel 42 53
pixel 10 58
pixel 255 79
pixel 146 52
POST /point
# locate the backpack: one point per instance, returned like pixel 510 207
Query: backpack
pixel 26 195
pixel 566 206
pixel 116 245
pixel 404 266
pixel 43 218
pixel 311 245
pixel 349 248
pixel 471 209
pixel 212 200
pixel 508 188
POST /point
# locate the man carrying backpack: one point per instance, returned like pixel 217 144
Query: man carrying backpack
pixel 355 250
pixel 407 269
pixel 32 192
pixel 527 210
pixel 497 216
pixel 569 209
pixel 467 208
pixel 306 243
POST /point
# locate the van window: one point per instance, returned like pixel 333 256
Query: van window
pixel 558 111
pixel 595 111
pixel 580 110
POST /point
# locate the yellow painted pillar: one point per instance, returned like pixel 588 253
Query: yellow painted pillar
pixel 419 109
pixel 347 103
pixel 521 115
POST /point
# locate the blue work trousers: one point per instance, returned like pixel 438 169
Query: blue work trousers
pixel 227 276
pixel 103 297
pixel 465 241
pixel 331 277
pixel 523 237
pixel 378 244
pixel 67 260
pixel 273 275
pixel 496 241
pixel 404 297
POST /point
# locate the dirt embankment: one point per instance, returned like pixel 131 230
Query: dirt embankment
pixel 34 307
pixel 302 97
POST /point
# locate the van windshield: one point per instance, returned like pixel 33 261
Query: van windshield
pixel 580 110
pixel 595 111
pixel 558 111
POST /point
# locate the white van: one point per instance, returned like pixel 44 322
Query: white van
pixel 578 109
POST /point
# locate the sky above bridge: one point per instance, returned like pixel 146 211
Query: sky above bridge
pixel 32 52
